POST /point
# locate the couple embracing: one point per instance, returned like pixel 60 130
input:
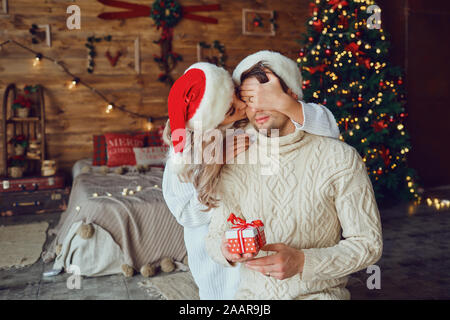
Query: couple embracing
pixel 321 219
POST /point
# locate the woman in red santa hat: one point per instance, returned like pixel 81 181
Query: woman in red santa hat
pixel 204 99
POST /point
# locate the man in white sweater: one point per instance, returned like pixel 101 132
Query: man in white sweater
pixel 319 210
pixel 213 280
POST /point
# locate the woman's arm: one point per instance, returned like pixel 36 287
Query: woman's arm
pixel 181 198
pixel 313 118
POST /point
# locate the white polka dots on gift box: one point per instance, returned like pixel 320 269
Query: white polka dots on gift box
pixel 250 240
pixel 250 245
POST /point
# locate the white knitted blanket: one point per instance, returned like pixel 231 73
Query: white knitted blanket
pixel 138 220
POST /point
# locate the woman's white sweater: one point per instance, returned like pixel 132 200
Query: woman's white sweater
pixel 319 201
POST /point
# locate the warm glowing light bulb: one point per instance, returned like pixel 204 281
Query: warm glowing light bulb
pixel 109 107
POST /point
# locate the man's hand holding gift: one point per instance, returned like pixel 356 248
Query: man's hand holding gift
pixel 234 257
pixel 243 242
pixel 285 263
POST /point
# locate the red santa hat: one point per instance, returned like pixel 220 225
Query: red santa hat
pixel 201 97
pixel 284 67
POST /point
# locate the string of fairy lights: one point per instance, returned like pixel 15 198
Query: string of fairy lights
pixel 77 81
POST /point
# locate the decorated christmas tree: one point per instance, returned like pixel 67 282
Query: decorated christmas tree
pixel 345 66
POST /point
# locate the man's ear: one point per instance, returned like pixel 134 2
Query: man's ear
pixel 293 95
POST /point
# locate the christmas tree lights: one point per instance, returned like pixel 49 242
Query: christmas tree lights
pixel 344 63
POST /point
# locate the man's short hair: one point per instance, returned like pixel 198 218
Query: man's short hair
pixel 259 71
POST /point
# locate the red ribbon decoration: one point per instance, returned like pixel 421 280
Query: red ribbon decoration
pixel 318 25
pixel 354 49
pixel 211 7
pixel 336 3
pixel 134 10
pixel 365 62
pixel 137 10
pixel 384 152
pixel 312 8
pixel 165 42
pixel 379 125
pixel 343 21
pixel 241 225
pixel 320 68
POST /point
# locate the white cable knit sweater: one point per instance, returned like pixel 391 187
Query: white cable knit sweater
pixel 215 281
pixel 321 191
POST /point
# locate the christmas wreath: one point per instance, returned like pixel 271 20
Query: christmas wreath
pixel 166 13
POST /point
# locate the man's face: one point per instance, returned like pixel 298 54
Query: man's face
pixel 264 119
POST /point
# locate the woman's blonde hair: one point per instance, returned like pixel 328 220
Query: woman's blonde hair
pixel 204 176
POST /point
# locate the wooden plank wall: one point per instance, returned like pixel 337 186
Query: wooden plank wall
pixel 73 116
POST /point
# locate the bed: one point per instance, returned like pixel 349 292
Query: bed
pixel 131 222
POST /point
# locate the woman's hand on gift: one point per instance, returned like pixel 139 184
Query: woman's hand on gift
pixel 285 263
pixel 234 257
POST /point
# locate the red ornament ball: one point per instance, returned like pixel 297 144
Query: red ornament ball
pixel 339 103
pixel 360 98
pixel 328 52
pixel 400 81
pixel 310 39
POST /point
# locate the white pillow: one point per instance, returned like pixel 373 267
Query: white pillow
pixel 151 155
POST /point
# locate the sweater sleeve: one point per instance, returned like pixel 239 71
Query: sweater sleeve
pixel 318 120
pixel 218 226
pixel 361 228
pixel 181 199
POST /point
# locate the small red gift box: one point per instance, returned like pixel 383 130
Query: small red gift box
pixel 245 237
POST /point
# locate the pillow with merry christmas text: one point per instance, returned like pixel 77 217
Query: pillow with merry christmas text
pixel 120 148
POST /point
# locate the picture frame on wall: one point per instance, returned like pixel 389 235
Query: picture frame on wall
pixel 4 7
pixel 41 33
pixel 114 55
pixel 48 33
pixel 258 22
pixel 215 53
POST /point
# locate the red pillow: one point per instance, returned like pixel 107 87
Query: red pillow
pixel 120 148
pixel 152 138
